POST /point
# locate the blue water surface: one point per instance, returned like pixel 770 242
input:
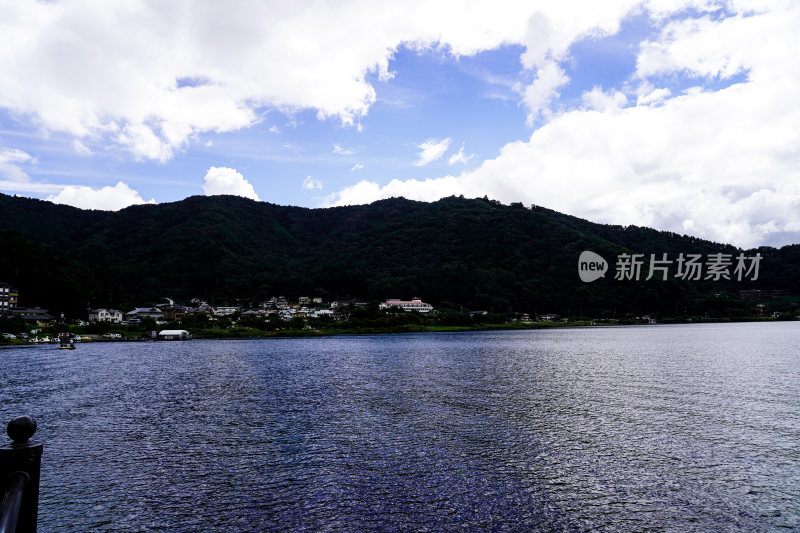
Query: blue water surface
pixel 652 428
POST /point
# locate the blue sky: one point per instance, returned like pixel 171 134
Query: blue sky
pixel 673 114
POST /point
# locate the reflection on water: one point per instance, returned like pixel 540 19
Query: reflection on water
pixel 685 428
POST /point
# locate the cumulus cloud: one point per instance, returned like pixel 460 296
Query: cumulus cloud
pixel 224 180
pixel 721 164
pixel 431 150
pixel 538 95
pixel 153 78
pixel 357 166
pixel 311 183
pixel 106 198
pixel 604 101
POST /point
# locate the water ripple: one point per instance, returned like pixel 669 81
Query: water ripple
pixel 675 428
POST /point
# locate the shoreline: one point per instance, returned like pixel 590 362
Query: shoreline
pixel 251 333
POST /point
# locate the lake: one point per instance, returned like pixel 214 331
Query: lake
pixel 659 428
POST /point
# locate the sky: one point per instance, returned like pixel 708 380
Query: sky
pixel 681 115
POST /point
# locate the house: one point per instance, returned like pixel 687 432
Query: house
pixel 8 297
pixel 144 312
pixel 225 311
pixel 173 313
pixel 36 315
pixel 279 303
pixel 415 304
pixel 105 315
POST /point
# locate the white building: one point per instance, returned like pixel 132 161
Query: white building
pixel 105 315
pixel 414 305
pixel 174 335
pixel 226 311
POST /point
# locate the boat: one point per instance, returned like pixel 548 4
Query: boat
pixel 66 342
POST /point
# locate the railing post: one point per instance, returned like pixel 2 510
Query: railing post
pixel 21 459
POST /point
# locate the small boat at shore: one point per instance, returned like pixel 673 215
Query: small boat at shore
pixel 65 340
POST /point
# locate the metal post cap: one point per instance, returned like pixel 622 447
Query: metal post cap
pixel 21 429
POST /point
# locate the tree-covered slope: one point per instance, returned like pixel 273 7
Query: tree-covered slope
pixel 475 253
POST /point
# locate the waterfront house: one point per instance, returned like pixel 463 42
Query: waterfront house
pixel 105 315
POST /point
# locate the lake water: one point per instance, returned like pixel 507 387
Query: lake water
pixel 657 428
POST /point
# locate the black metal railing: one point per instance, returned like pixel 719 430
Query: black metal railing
pixel 20 465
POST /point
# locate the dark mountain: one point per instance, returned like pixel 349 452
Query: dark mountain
pixel 476 253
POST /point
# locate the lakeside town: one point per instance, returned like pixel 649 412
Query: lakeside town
pixel 170 320
pixel 36 324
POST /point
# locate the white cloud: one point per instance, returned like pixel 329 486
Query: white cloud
pixel 337 149
pixel 152 78
pixel 460 157
pixel 604 102
pixel 431 150
pixel 224 180
pixel 14 179
pixel 723 164
pixel 311 183
pixel 357 166
pixel 538 95
pixel 648 95
pixel 106 198
pixel 10 158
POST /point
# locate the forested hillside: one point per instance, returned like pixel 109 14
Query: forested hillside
pixel 475 253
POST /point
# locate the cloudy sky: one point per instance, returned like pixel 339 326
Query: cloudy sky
pixel 679 115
